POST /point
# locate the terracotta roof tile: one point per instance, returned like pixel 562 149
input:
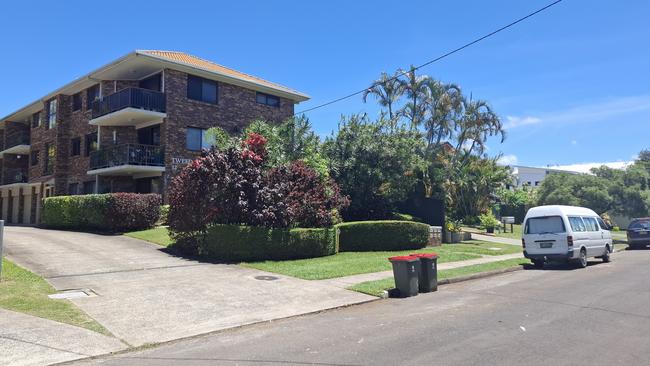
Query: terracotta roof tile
pixel 184 58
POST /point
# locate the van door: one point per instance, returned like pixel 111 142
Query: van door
pixel 596 239
pixel 580 235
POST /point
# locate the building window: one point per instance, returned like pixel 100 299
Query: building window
pixel 34 157
pixel 91 143
pixel 51 114
pixel 197 139
pixel 49 158
pixel 75 148
pixel 73 189
pixel 267 99
pixel 36 119
pixel 76 102
pixel 200 89
pixel 92 94
pixel 89 187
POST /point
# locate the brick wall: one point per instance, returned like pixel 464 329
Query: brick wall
pixel 236 108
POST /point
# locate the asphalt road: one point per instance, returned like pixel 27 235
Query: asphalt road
pixel 558 316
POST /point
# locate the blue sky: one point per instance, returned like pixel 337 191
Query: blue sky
pixel 571 84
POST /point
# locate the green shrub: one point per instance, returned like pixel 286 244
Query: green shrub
pixel 252 243
pixel 114 212
pixel 488 221
pixel 363 236
pixel 164 214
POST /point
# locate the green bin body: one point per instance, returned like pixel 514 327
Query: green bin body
pixel 406 271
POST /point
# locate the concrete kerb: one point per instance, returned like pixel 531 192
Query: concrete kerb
pixel 475 276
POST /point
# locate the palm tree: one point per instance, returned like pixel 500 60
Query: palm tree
pixel 387 90
pixel 478 122
pixel 415 88
pixel 444 103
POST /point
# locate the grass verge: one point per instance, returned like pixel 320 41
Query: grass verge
pixel 376 288
pixel 25 292
pixel 157 235
pixel 352 263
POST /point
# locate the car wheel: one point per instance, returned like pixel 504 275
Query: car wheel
pixel 538 263
pixel 606 257
pixel 582 259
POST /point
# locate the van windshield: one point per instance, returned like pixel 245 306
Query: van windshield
pixel 545 225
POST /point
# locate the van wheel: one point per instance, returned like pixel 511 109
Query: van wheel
pixel 582 259
pixel 538 263
pixel 606 257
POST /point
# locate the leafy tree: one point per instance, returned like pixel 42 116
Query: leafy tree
pixel 415 87
pixel 374 164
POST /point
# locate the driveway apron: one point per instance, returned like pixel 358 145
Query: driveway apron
pixel 145 295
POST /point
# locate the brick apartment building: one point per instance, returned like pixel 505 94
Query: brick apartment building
pixel 128 126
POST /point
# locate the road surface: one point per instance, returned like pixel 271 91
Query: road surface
pixel 558 316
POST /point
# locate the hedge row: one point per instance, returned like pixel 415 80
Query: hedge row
pixel 362 236
pixel 251 243
pixel 114 212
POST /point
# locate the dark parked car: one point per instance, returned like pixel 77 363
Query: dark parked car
pixel 638 233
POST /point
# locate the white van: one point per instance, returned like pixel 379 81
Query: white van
pixel 565 233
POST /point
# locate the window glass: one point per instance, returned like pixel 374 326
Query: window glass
pixel 639 225
pixel 91 143
pixel 34 158
pixel 76 102
pixel 73 189
pixel 152 82
pixel 543 225
pixel 602 224
pixel 76 146
pixel 52 114
pixel 577 224
pixel 89 187
pixel 92 94
pixel 49 158
pixel 36 119
pixel 201 89
pixel 270 100
pixel 194 138
pixel 590 224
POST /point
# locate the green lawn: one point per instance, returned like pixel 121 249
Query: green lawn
pixel 516 234
pixel 25 292
pixel 352 263
pixel 376 288
pixel 158 235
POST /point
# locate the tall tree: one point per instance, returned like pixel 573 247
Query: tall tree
pixel 415 88
pixel 387 90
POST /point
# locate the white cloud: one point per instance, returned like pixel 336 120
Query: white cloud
pixel 594 112
pixel 509 159
pixel 513 121
pixel 586 167
pixel 574 142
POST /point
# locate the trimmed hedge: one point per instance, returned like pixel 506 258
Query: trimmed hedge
pixel 114 212
pixel 365 236
pixel 252 243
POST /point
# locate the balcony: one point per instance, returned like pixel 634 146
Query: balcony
pixel 16 175
pixel 16 142
pixel 128 159
pixel 129 107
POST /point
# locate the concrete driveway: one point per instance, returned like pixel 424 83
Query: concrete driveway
pixel 146 296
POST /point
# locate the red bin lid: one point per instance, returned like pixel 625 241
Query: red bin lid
pixel 424 255
pixel 402 258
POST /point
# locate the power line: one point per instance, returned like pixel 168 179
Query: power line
pixel 437 58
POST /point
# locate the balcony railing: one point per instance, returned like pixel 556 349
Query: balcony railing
pixel 16 138
pixel 16 175
pixel 127 154
pixel 145 99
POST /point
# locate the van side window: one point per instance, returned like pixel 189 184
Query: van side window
pixel 602 223
pixel 577 224
pixel 590 223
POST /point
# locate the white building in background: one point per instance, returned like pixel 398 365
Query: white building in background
pixel 529 176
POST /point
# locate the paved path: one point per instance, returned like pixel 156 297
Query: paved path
pixel 345 282
pixel 29 340
pixel 557 316
pixel 496 239
pixel 147 296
